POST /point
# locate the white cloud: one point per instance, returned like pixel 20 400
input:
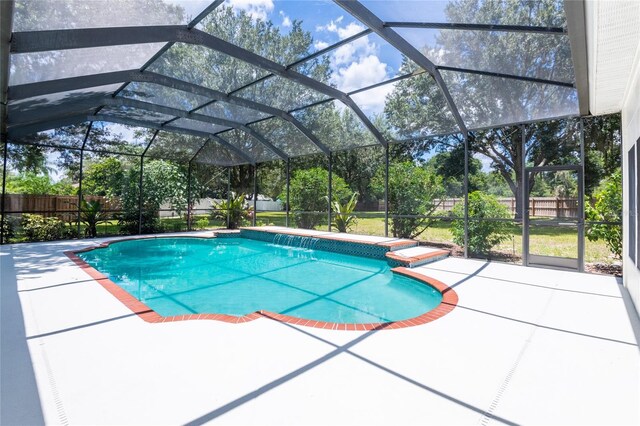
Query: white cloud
pixel 366 71
pixel 351 29
pixel 373 101
pixel 350 52
pixel 319 45
pixel 357 64
pixel 257 9
pixel 286 21
pixel 343 32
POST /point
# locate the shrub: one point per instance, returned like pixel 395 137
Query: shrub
pixel 413 190
pixel 607 208
pixel 40 228
pixel 239 213
pixel 129 219
pixel 308 193
pixel 8 229
pixel 342 218
pixel 202 223
pixel 91 214
pixel 483 234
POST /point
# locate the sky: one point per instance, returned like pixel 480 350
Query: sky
pixel 368 60
pixel 364 62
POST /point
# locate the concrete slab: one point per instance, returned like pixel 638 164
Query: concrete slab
pixel 523 346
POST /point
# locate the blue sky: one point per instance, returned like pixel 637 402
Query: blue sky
pixel 364 62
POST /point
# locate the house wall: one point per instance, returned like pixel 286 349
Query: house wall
pixel 631 136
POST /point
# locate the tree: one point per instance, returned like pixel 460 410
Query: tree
pixel 30 183
pixel 449 164
pixel 607 208
pixel 603 141
pixel 358 168
pixel 417 107
pixel 413 190
pixel 308 191
pixel 163 181
pixel 29 158
pixel 483 234
pixel 104 177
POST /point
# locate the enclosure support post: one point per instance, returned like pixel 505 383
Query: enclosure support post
pixel 466 194
pixel 329 192
pixel 140 195
pixel 189 197
pixel 80 192
pixel 581 207
pixel 255 194
pixel 286 220
pixel 80 198
pixel 228 196
pixel 153 138
pixel 4 188
pixel 524 199
pixel 386 191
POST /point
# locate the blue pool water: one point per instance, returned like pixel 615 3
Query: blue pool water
pixel 238 276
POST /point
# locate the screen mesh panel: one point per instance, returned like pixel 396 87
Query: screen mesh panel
pixel 285 136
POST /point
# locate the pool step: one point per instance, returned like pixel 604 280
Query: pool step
pixel 416 256
pixel 400 244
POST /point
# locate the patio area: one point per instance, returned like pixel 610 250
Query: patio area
pixel 523 346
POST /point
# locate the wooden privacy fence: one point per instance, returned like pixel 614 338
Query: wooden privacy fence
pixel 538 206
pixel 64 207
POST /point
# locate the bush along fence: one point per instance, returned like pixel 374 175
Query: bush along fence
pixel 65 207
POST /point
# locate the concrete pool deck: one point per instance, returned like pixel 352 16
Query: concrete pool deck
pixel 523 346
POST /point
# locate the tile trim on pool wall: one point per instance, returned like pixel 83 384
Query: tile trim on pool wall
pixel 448 303
pixel 327 243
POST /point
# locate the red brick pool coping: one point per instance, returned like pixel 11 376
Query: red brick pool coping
pixel 449 300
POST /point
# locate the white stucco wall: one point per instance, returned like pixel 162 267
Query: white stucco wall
pixel 630 134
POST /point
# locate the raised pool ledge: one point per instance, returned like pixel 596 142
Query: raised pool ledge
pixel 397 251
pixel 448 303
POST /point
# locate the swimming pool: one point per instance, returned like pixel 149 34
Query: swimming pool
pixel 239 276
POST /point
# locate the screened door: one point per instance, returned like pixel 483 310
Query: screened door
pixel 555 209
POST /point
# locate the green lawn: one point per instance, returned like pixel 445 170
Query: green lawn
pixel 551 241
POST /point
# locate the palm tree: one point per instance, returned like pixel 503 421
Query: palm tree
pixel 91 214
pixel 343 219
pixel 236 209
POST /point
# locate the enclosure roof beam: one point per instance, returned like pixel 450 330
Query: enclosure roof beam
pixel 29 90
pixel 6 23
pixel 39 41
pixel 364 15
pixel 226 144
pixel 509 76
pixel 119 101
pixel 207 10
pixel 198 151
pixel 146 148
pixel 86 135
pixel 67 110
pixel 478 27
pixel 26 129
pixel 575 12
pixel 141 123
